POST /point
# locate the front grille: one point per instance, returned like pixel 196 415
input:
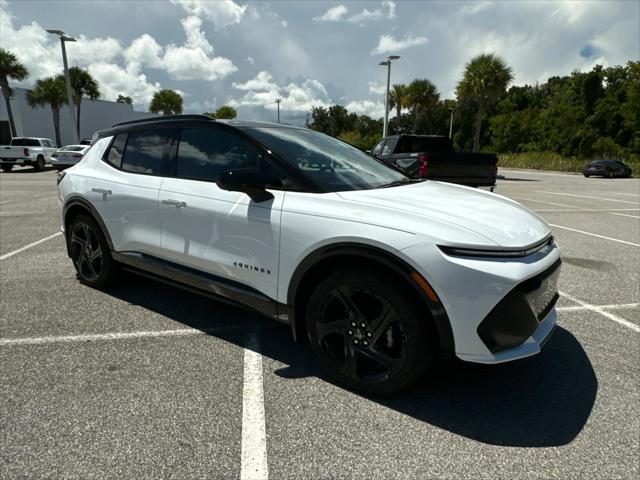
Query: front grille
pixel 513 319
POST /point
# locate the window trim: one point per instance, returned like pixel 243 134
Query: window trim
pixel 166 153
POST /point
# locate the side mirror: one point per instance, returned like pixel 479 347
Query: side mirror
pixel 247 180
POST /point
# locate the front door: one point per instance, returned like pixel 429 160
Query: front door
pixel 224 233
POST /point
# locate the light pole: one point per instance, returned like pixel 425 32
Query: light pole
pixel 278 100
pixel 387 63
pixel 451 123
pixel 72 112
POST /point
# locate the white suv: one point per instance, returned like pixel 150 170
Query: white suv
pixel 379 272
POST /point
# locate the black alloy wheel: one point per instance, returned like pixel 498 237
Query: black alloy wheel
pixel 368 333
pixel 89 252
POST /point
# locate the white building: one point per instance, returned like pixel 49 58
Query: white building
pixel 30 122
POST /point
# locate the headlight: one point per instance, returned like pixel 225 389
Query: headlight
pixel 478 252
pixel 60 177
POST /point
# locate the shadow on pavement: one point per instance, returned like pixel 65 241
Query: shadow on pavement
pixel 542 401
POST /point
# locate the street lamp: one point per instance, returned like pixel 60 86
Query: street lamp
pixel 278 100
pixel 387 63
pixel 72 113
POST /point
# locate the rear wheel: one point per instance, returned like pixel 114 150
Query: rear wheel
pixel 369 334
pixel 6 168
pixel 585 175
pixel 611 174
pixel 40 163
pixel 90 253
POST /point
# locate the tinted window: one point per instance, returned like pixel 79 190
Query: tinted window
pixel 25 142
pixel 72 148
pixel 146 151
pixel 204 153
pixel 388 147
pixel 378 148
pixel 409 144
pixel 329 162
pixel 114 155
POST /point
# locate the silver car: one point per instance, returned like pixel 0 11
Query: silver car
pixel 68 156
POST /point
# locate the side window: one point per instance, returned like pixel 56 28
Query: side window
pixel 388 147
pixel 146 152
pixel 115 152
pixel 378 148
pixel 204 153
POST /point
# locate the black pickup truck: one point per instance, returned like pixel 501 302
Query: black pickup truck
pixel 433 157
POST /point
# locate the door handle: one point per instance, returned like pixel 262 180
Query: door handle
pixel 103 191
pixel 174 203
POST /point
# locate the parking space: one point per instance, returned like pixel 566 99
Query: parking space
pixel 147 381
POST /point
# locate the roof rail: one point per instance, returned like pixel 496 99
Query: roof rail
pixel 163 118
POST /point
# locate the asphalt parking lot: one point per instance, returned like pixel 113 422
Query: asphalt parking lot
pixel 147 381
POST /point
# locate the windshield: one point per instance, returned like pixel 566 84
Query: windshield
pixel 333 164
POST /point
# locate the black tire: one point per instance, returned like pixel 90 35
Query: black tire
pixel 90 252
pixel 6 168
pixel 585 175
pixel 610 174
pixel 393 349
pixel 40 163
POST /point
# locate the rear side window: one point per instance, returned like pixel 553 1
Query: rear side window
pixel 411 144
pixel 25 142
pixel 388 147
pixel 114 155
pixel 146 152
pixel 378 148
pixel 204 153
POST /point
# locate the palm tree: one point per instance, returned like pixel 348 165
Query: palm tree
pixel 166 101
pixel 10 68
pixel 397 100
pixel 421 95
pixel 485 81
pixel 83 86
pixel 50 91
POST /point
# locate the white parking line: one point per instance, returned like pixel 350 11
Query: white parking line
pixel 543 201
pixel 4 202
pixel 42 240
pixel 624 215
pixel 586 196
pixel 253 464
pixel 596 235
pixel 17 214
pixel 588 210
pixel 615 306
pixel 637 195
pixel 604 313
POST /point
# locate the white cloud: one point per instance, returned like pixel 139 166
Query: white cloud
pixel 334 14
pixel 389 44
pixel 366 107
pixel 339 14
pixel 377 89
pixel 475 7
pixel 263 90
pixel 115 80
pixel 221 12
pixel 250 60
pixel 86 51
pixel 144 50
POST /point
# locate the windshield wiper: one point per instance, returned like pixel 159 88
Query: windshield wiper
pixel 404 181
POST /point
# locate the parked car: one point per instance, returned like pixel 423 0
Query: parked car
pixel 606 168
pixel 85 141
pixel 27 151
pixel 310 231
pixel 68 156
pixel 433 157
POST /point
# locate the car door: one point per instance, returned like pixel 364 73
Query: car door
pixel 124 188
pixel 220 232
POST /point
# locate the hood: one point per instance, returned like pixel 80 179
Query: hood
pixel 503 222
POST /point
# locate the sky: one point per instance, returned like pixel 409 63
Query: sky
pixel 310 53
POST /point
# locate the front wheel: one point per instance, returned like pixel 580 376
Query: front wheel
pixel 40 164
pixel 368 333
pixel 585 175
pixel 90 253
pixel 6 168
pixel 611 175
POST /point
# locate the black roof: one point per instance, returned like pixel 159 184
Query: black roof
pixel 175 118
pixel 163 118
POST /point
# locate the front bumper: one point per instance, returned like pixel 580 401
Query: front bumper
pixel 472 288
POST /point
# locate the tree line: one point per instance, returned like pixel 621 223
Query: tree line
pixel 52 91
pixel 583 114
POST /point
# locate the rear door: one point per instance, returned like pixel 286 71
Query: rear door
pixel 125 187
pixel 223 233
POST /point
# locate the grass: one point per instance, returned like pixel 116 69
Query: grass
pixel 553 161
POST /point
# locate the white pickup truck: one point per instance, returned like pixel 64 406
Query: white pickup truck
pixel 27 151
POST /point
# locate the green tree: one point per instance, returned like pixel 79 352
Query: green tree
pixel 83 86
pixel 124 99
pixel 225 111
pixel 398 100
pixel 50 91
pixel 484 81
pixel 10 69
pixel 167 102
pixel 319 119
pixel 421 95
